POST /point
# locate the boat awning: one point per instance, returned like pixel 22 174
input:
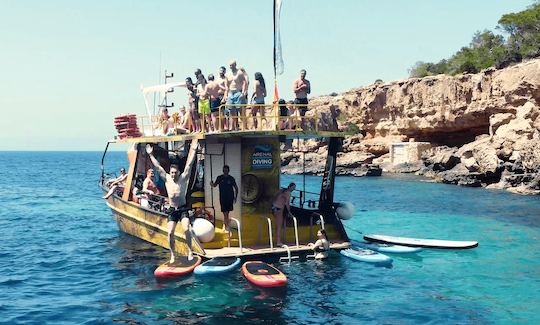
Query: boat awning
pixel 162 88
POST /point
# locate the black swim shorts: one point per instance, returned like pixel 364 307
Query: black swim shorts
pixel 303 102
pixel 175 214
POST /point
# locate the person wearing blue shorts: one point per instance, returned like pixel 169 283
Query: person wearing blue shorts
pixel 236 94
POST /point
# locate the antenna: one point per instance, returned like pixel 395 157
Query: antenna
pixel 167 77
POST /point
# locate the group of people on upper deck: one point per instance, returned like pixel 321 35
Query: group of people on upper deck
pixel 230 92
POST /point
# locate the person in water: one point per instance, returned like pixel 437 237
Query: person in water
pixel 280 206
pixel 116 183
pixel 228 192
pixel 176 185
pixel 301 88
pixel 321 246
pixel 259 93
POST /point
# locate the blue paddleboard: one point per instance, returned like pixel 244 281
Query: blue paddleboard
pixel 388 248
pixel 366 255
pixel 217 265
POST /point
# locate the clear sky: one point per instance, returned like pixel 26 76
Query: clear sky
pixel 68 67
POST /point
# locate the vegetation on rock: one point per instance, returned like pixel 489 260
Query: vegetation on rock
pixel 488 49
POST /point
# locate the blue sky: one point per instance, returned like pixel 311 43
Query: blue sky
pixel 68 67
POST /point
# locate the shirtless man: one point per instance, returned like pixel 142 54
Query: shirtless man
pixel 235 93
pixel 149 187
pixel 281 202
pixel 116 182
pixel 166 122
pixel 213 91
pixel 176 185
pixel 302 88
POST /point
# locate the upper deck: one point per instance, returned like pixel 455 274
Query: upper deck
pixel 269 124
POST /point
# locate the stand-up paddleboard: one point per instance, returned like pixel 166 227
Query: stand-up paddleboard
pixel 217 265
pixel 418 242
pixel 388 248
pixel 366 255
pixel 182 266
pixel 263 275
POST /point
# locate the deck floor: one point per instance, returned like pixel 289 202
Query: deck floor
pixel 265 250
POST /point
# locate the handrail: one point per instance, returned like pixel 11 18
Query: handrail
pixel 270 233
pixel 295 230
pixel 239 233
pixel 321 218
pixel 316 123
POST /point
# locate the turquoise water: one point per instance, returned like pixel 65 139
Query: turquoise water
pixel 63 259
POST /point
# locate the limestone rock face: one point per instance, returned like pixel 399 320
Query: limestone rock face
pixel 486 125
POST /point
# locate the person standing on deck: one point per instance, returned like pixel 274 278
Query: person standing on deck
pixel 176 185
pixel 259 93
pixel 193 105
pixel 302 88
pixel 280 206
pixel 235 93
pixel 222 79
pixel 228 192
pixel 212 89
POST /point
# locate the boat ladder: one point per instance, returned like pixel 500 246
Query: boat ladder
pixel 239 229
pixel 289 257
pixel 321 221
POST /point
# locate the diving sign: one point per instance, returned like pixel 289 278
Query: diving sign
pixel 262 157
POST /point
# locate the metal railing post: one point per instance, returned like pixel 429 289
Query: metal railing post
pixel 239 233
pixel 270 233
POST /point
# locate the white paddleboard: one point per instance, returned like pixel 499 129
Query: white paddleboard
pixel 419 242
pixel 366 255
pixel 389 248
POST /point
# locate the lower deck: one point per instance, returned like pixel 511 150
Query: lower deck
pixel 254 251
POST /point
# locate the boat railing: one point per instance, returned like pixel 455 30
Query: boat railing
pixel 321 221
pixel 295 222
pixel 270 114
pixel 301 198
pixel 271 239
pixel 239 228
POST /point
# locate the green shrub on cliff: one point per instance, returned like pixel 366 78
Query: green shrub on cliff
pixel 491 50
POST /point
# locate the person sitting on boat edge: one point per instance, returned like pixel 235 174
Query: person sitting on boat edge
pixel 321 246
pixel 116 183
pixel 280 205
pixel 176 185
pixel 228 192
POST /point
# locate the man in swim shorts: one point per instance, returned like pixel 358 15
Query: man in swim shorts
pixel 212 90
pixel 301 88
pixel 176 185
pixel 281 205
pixel 228 192
pixel 236 93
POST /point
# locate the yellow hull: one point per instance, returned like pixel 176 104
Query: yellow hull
pixel 147 225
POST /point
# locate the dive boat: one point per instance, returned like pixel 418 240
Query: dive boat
pixel 254 157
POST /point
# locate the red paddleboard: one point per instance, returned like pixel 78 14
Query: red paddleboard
pixel 182 266
pixel 263 275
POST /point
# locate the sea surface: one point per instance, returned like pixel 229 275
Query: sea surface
pixel 63 260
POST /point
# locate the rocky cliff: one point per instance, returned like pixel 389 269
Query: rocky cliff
pixel 484 128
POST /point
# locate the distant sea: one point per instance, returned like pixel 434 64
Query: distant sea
pixel 63 260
